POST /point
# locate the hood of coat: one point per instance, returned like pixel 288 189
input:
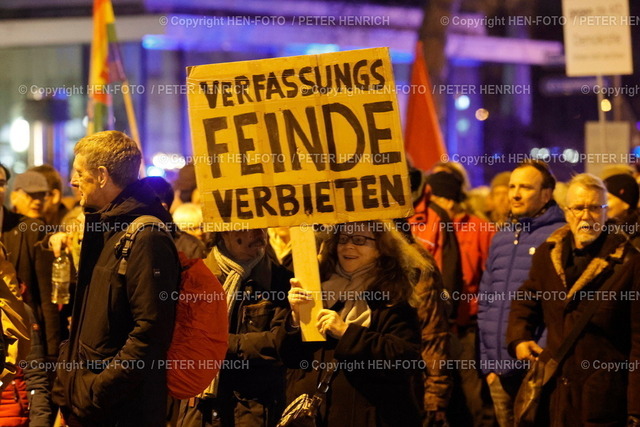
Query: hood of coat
pixel 612 251
pixel 135 200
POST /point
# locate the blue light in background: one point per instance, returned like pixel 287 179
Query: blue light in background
pixel 462 102
pixel 462 126
pixel 155 171
pixel 159 42
pixel 401 57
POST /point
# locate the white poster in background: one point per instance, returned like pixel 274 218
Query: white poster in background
pixel 606 144
pixel 597 37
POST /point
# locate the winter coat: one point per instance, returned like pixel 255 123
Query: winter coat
pixel 189 245
pixel 507 268
pixel 254 378
pixel 37 381
pixel 121 325
pixel 25 400
pixel 252 330
pixel 16 346
pixel 14 402
pixel 474 239
pixel 473 236
pixel 20 236
pixel 379 380
pixel 427 228
pixel 629 225
pixel 432 312
pixel 589 390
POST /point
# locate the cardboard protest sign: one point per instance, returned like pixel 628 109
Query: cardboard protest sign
pixel 306 139
pixel 298 141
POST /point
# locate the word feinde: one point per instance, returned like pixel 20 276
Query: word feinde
pixel 314 138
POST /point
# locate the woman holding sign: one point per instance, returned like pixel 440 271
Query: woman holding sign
pixel 369 275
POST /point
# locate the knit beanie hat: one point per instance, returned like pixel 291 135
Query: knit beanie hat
pixel 446 185
pixel 624 187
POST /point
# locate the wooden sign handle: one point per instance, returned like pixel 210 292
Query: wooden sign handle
pixel 305 265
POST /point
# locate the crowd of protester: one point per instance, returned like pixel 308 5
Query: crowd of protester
pixel 463 297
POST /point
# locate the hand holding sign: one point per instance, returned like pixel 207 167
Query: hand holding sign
pixel 302 140
pixel 297 297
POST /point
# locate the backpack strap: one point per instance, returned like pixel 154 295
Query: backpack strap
pixel 123 246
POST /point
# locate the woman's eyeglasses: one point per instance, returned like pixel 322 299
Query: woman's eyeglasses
pixel 357 239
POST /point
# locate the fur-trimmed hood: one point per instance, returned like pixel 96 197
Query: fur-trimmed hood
pixel 612 251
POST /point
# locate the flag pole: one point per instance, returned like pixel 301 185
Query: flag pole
pixel 133 124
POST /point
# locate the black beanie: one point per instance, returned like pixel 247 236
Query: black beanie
pixel 624 187
pixel 444 184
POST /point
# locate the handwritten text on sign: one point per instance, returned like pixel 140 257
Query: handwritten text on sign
pixel 302 139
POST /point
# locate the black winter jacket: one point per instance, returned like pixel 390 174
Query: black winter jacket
pixel 379 382
pixel 121 325
pixel 257 317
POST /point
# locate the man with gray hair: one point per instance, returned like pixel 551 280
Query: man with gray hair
pixel 580 264
pixel 109 371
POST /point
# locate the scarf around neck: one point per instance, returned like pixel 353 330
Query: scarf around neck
pixel 234 273
pixel 348 288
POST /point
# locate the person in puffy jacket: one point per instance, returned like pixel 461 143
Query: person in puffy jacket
pixel 534 217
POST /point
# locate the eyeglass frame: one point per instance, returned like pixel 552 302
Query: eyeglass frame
pixel 350 238
pixel 588 208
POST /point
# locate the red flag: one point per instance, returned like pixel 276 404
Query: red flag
pixel 422 137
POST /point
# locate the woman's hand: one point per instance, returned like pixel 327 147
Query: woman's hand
pixel 297 296
pixel 331 322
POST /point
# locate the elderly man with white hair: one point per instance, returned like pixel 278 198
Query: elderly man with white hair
pixel 584 267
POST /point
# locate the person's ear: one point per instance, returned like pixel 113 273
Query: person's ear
pixel 547 194
pixel 103 176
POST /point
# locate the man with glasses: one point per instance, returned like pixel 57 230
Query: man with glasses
pixel 28 195
pixel 534 216
pixel 29 198
pixel 20 236
pixel 582 263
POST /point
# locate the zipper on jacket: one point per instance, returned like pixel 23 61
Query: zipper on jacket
pixel 500 337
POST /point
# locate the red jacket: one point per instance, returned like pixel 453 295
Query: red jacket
pixel 474 238
pixel 14 403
